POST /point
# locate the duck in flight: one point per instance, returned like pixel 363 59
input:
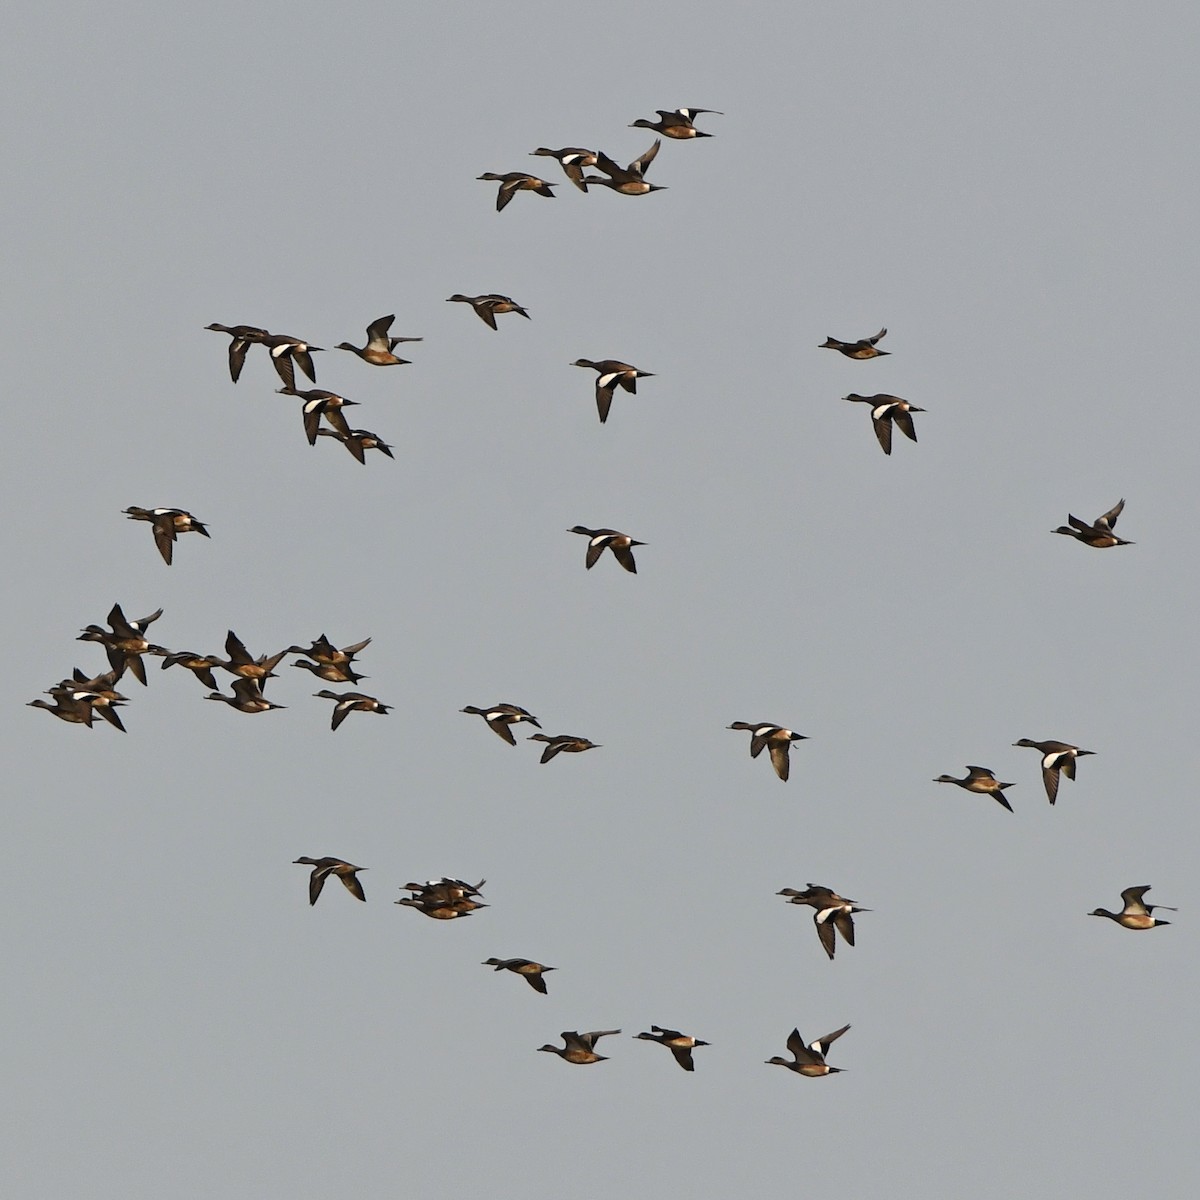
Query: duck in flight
pixel 1099 533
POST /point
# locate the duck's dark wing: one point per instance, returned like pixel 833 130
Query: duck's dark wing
pixel 883 431
pixel 503 729
pixel 639 164
pixel 905 421
pixel 780 759
pixel 624 555
pixel 353 886
pixel 164 536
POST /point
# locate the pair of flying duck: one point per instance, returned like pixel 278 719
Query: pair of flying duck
pixel 1058 758
pixel 580 1048
pixel 502 717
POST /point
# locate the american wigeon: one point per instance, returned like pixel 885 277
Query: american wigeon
pixel 247 697
pixel 833 914
pixel 444 899
pixel 810 1059
pixel 777 738
pixel 200 665
pixel 441 909
pixel 1099 533
pixel 599 540
pixel 529 970
pixel 347 702
pixel 1057 758
pixel 863 348
pixel 1136 914
pixel 380 344
pixel 572 159
pixel 242 337
pixel 98 691
pixel 676 123
pixel 319 403
pixel 680 1044
pixel 323 868
pixel 513 182
pixel 168 524
pixel 611 373
pixel 358 442
pixel 66 708
pixel 241 662
pixel 981 781
pixel 486 307
pixel 628 180
pixel 125 642
pixel 324 651
pixel 341 672
pixel 501 718
pixel 887 411
pixel 288 352
pixel 563 743
pixel 579 1047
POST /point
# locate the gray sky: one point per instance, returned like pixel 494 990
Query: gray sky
pixel 1011 190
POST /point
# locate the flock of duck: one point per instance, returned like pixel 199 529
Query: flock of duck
pixel 80 698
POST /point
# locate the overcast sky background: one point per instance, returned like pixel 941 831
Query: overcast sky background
pixel 1012 191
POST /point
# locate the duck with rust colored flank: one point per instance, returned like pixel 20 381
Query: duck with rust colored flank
pixel 529 970
pixel 126 643
pixel 98 691
pixel 324 651
pixel 679 1044
pixel 358 442
pixel 288 352
pixel 168 524
pixel 563 743
pixel 501 718
pixel 66 708
pixel 487 307
pixel 444 899
pixel 862 349
pixel 579 1048
pixel 242 662
pixel 83 703
pixel 981 781
pixel 572 159
pixel 676 123
pixel 764 735
pixel 1136 914
pixel 331 672
pixel 810 1059
pixel 323 868
pixel 628 180
pixel 441 908
pixel 247 697
pixel 200 665
pixel 612 373
pixel 347 702
pixel 887 411
pixel 1099 533
pixel 380 344
pixel 514 182
pixel 242 337
pixel 445 889
pixel 319 403
pixel 599 540
pixel 1057 758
